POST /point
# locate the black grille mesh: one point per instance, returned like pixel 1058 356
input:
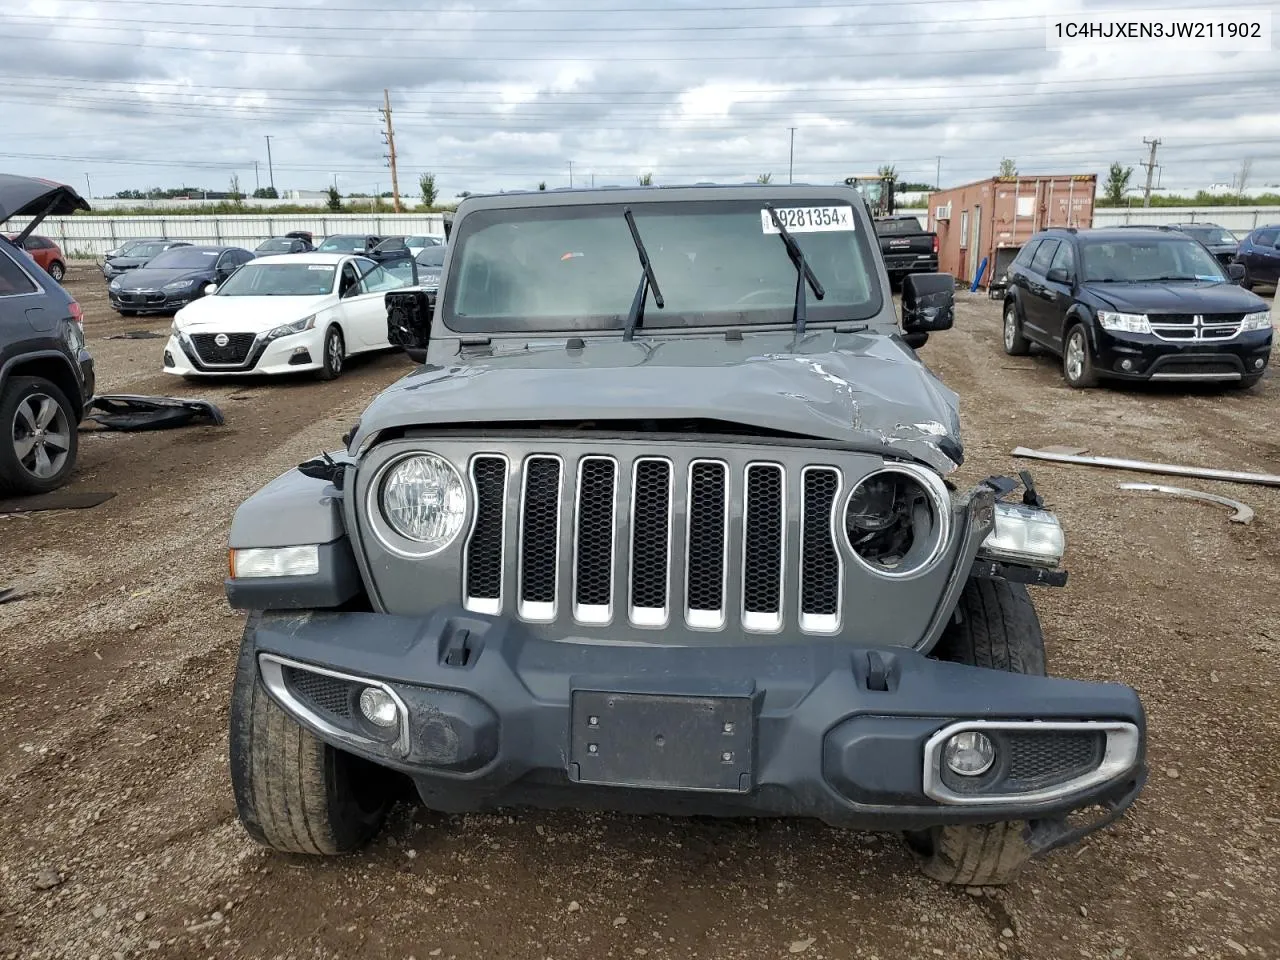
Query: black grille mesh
pixel 594 571
pixel 236 350
pixel 706 536
pixel 538 560
pixel 327 694
pixel 762 567
pixel 820 570
pixel 1053 755
pixel 649 534
pixel 484 551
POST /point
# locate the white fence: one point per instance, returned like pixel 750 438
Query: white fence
pixel 1240 220
pixel 93 236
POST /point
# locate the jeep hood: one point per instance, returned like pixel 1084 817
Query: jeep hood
pixel 865 390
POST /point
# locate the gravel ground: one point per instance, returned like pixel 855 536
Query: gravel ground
pixel 118 826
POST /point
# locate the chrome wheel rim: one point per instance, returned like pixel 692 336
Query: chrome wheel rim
pixel 335 351
pixel 1075 356
pixel 1010 327
pixel 41 436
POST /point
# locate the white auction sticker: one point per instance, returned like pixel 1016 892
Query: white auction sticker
pixel 321 266
pixel 809 219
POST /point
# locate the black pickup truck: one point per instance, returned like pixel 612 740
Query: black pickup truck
pixel 907 248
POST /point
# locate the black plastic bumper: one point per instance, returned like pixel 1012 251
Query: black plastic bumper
pixel 498 717
pixel 903 264
pixel 1150 358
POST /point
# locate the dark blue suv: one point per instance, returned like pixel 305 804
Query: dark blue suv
pixel 1135 304
pixel 1259 254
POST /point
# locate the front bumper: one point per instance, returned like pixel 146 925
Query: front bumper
pixel 1151 358
pixel 493 716
pixel 296 353
pixel 152 301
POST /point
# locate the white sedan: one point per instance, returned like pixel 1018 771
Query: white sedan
pixel 286 314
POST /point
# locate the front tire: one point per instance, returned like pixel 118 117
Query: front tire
pixel 1077 360
pixel 38 440
pixel 998 629
pixel 334 354
pixel 294 792
pixel 57 270
pixel 1015 344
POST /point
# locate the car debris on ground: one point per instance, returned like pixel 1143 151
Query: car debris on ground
pixel 1242 514
pixel 1143 466
pixel 124 411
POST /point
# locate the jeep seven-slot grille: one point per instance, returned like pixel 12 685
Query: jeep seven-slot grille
pixel 651 541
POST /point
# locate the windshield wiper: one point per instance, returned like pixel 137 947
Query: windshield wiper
pixel 800 312
pixel 635 315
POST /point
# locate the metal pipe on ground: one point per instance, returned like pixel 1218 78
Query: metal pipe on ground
pixel 1143 466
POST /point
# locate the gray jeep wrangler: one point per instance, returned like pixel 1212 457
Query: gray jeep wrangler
pixel 663 524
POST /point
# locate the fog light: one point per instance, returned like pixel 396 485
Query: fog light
pixel 378 707
pixel 1126 364
pixel 1257 364
pixel 970 754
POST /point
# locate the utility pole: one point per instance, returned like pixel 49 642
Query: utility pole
pixel 791 159
pixel 391 149
pixel 571 173
pixel 1151 170
pixel 271 170
pixel 937 177
pixel 257 185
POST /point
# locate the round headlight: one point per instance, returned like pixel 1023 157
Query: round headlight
pixel 897 520
pixel 423 500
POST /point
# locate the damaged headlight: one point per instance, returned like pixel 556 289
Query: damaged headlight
pixel 1256 321
pixel 1024 535
pixel 1124 322
pixel 423 500
pixel 298 326
pixel 897 519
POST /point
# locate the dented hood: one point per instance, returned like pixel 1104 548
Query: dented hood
pixel 866 390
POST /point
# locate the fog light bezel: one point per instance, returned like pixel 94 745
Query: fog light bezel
pixel 271 670
pixel 981 743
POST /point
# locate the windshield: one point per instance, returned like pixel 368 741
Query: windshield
pixel 276 245
pixel 343 243
pixel 431 257
pixel 1210 235
pixel 280 280
pixel 185 258
pixel 553 268
pixel 1142 261
pixel 143 250
pixel 898 228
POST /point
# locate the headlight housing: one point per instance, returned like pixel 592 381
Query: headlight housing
pixel 897 520
pixel 178 285
pixel 1124 322
pixel 422 499
pixel 1256 321
pixel 1024 535
pixel 115 284
pixel 298 326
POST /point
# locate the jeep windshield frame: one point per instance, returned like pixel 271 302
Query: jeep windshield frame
pixel 557 268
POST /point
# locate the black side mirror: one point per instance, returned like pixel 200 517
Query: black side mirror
pixel 915 340
pixel 1058 275
pixel 1236 272
pixel 409 322
pixel 928 302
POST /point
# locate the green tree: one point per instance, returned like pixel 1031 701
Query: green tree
pixel 542 184
pixel 266 193
pixel 765 178
pixel 645 179
pixel 1008 168
pixel 427 184
pixel 335 199
pixel 1117 183
pixel 887 170
pixel 237 198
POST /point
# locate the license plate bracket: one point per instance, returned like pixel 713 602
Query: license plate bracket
pixel 662 742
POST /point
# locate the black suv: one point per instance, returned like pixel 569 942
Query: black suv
pixel 1135 304
pixel 46 374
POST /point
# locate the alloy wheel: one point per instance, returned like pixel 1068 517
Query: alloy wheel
pixel 1075 356
pixel 334 348
pixel 1010 327
pixel 41 436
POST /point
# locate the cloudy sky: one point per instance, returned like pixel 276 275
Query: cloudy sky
pixel 502 94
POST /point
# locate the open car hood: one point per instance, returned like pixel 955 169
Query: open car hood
pixel 865 390
pixel 30 197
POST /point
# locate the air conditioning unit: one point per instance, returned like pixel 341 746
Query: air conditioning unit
pixel 942 211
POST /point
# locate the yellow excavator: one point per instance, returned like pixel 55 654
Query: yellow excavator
pixel 877 191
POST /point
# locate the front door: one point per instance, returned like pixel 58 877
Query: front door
pixel 1059 293
pixel 1038 299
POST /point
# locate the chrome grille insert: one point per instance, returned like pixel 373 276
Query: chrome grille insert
pixel 821 569
pixel 707 539
pixel 650 574
pixel 539 538
pixel 594 538
pixel 763 547
pixel 482 565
